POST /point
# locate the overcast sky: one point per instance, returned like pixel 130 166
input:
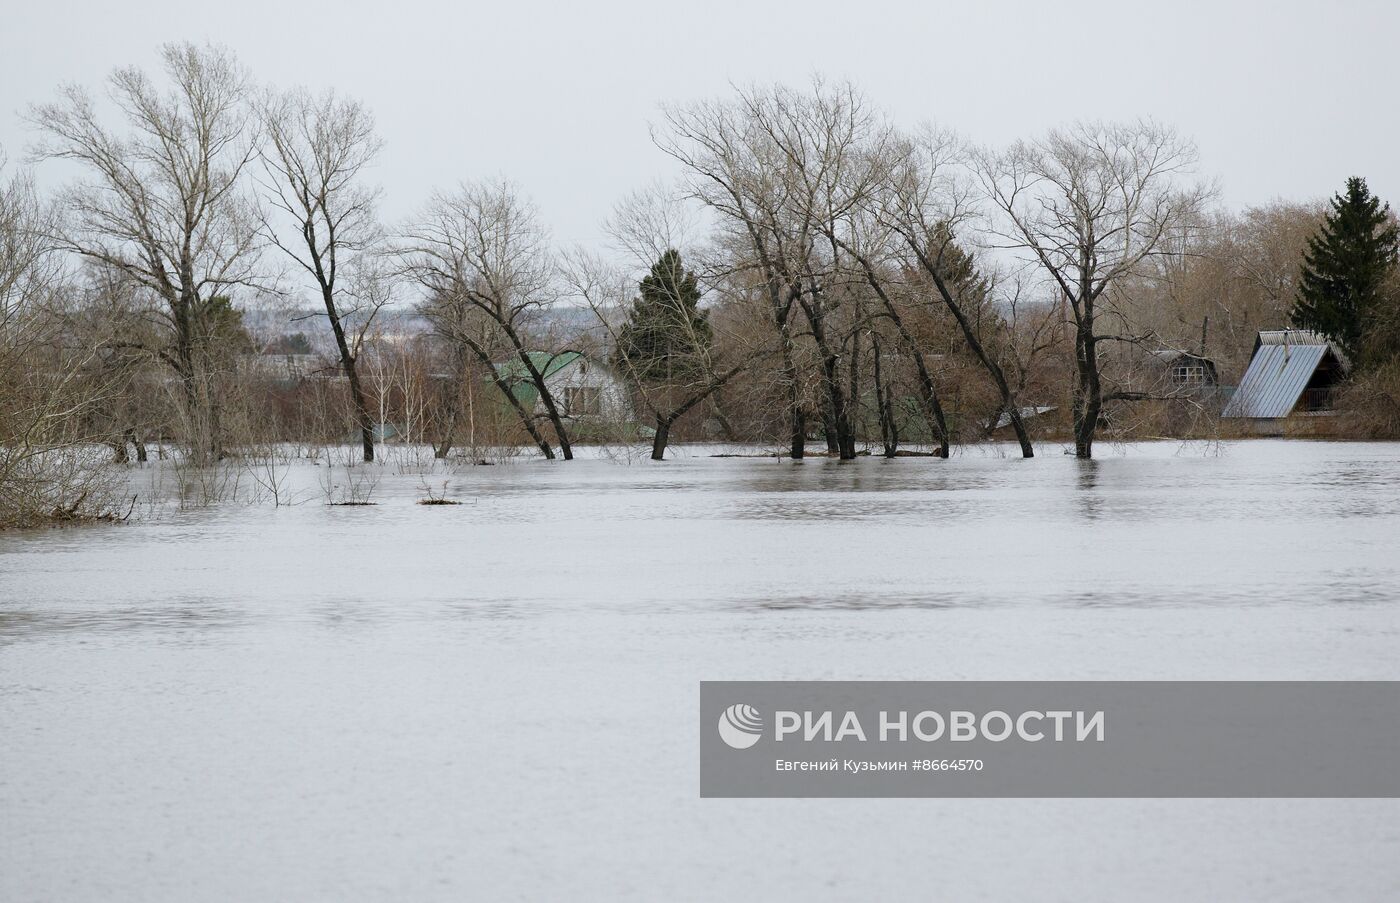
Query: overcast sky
pixel 1286 99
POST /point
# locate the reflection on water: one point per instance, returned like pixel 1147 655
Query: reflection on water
pixel 872 601
pixel 1087 482
pixel 1251 525
pixel 197 615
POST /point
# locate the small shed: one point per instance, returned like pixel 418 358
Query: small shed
pixel 1292 371
pixel 1184 371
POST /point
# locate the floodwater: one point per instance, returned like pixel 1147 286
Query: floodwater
pixel 497 700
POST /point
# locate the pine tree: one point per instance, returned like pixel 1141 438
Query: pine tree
pixel 666 334
pixel 1346 268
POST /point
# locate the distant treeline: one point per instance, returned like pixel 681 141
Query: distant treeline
pixel 816 279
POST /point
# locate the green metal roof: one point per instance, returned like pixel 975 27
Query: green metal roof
pixel 517 376
pixel 544 361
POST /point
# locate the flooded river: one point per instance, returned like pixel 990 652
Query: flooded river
pixel 497 699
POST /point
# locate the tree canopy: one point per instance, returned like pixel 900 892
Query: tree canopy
pixel 1347 269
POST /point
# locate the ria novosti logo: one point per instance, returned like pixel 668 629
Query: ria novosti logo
pixel 740 726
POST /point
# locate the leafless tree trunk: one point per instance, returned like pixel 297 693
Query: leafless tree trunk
pixel 889 429
pixel 921 204
pixel 452 321
pixel 666 419
pixel 316 153
pixel 928 392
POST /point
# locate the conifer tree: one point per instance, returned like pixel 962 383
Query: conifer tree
pixel 666 334
pixel 1346 269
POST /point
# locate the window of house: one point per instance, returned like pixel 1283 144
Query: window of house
pixel 1188 375
pixel 582 400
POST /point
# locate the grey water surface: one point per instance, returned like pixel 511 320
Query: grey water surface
pixel 497 700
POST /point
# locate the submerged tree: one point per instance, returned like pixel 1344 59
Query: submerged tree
pixel 482 255
pixel 783 171
pixel 923 204
pixel 1091 206
pixel 318 148
pixel 164 205
pixel 665 347
pixel 1347 268
pixel 50 389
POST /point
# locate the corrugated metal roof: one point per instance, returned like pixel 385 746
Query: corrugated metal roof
pixel 547 363
pixel 1275 380
pixel 1290 337
pixel 1302 337
pixel 518 378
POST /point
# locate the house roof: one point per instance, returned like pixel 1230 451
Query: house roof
pixel 1166 356
pixel 517 376
pixel 548 363
pixel 1289 337
pixel 1283 363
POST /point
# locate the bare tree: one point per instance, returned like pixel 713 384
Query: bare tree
pixel 923 204
pixel 109 312
pixel 1236 274
pixel 49 390
pixel 730 165
pixel 1090 205
pixel 317 150
pixel 826 152
pixel 480 251
pixel 469 334
pixel 164 204
pixel 874 253
pixel 795 175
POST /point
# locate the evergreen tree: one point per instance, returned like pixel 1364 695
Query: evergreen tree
pixel 666 334
pixel 1346 269
pixel 222 327
pixel 958 268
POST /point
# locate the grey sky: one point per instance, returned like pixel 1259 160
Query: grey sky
pixel 558 96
